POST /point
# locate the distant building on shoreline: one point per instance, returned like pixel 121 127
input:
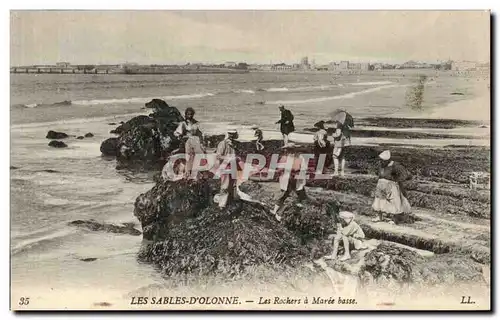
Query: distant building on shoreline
pixel 470 67
pixel 304 63
pixel 281 67
pixel 63 64
pixel 228 67
pixel 346 66
pixel 230 64
pixel 463 65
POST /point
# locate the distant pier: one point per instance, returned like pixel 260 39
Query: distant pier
pixel 56 70
pixel 135 71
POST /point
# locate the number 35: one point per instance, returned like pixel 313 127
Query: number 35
pixel 24 301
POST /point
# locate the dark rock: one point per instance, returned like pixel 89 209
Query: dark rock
pixel 106 227
pixel 134 122
pixel 109 147
pixel 316 219
pixel 63 103
pixel 191 234
pixel 88 259
pixel 391 262
pixel 146 138
pixel 50 171
pixel 417 123
pixel 388 263
pixel 80 137
pixel 112 123
pixel 13 168
pixel 57 144
pixel 168 203
pixel 226 241
pixel 162 110
pixel 89 135
pixel 56 135
pixel 145 143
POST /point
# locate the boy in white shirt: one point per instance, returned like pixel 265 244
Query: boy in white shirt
pixel 350 233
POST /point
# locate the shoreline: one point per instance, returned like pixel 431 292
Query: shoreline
pixel 476 108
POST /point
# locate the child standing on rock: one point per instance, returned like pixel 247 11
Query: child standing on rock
pixel 341 140
pixel 260 136
pixel 350 233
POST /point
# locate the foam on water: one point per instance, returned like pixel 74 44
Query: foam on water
pixel 305 88
pixel 71 122
pixel 140 99
pixel 370 83
pixel 243 91
pixel 277 89
pixel 342 96
pixel 37 241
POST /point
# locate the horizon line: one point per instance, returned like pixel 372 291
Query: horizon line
pixel 248 63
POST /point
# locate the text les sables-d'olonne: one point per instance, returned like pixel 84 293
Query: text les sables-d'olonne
pixel 236 300
pixel 184 300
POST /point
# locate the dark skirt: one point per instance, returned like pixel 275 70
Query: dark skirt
pixel 323 150
pixel 287 128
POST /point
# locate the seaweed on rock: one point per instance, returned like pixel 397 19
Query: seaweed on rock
pixel 228 241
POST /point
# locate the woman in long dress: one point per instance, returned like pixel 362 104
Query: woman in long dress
pixel 389 193
pixel 189 132
pixel 286 123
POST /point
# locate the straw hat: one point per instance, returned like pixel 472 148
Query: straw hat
pixel 386 155
pixel 346 215
pixel 254 127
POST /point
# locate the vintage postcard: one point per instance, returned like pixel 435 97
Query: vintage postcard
pixel 250 160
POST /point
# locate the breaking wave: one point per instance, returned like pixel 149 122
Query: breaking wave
pixel 298 89
pixel 372 83
pixel 55 236
pixel 324 87
pixel 140 99
pixel 112 101
pixel 36 105
pixel 277 89
pixel 342 96
pixel 243 91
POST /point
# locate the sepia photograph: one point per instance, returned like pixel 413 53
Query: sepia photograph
pixel 315 160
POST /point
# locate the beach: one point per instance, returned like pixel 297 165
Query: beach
pixel 53 187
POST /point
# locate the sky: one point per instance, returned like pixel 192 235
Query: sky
pixel 172 37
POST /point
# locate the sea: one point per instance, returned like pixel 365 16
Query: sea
pixel 52 187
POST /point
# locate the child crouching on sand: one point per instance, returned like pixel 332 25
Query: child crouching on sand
pixel 350 233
